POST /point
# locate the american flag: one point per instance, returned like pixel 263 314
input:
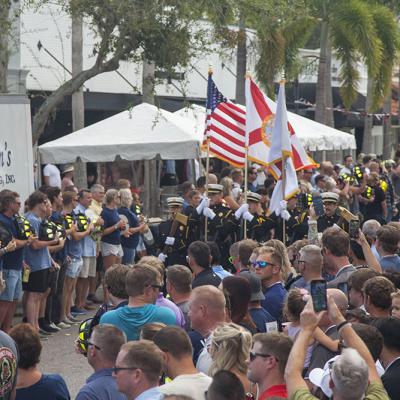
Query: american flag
pixel 225 127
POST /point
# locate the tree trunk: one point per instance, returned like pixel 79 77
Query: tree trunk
pixel 367 142
pixel 322 81
pixel 241 61
pixel 151 188
pixel 5 25
pixel 329 119
pixel 78 107
pixel 387 128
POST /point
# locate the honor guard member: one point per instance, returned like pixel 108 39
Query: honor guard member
pixel 332 214
pixel 172 234
pixel 296 226
pixel 194 230
pixel 260 225
pixel 222 225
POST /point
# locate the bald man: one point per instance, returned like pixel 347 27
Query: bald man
pixel 206 311
pixel 321 354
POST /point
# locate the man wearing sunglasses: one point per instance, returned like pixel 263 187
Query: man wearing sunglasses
pixel 102 351
pixel 268 267
pixel 138 369
pixel 267 364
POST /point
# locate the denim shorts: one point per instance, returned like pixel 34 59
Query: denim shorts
pixel 74 267
pixel 13 279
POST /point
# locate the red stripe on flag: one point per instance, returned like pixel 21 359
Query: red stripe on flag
pixel 227 136
pixel 226 123
pixel 226 147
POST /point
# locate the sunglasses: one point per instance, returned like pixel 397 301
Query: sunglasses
pixel 115 370
pixel 262 264
pixel 253 355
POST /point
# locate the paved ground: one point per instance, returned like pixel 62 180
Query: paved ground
pixel 59 357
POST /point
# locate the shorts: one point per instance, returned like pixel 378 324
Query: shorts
pixel 73 268
pixel 13 280
pixel 129 255
pixel 88 267
pixel 108 249
pixel 38 281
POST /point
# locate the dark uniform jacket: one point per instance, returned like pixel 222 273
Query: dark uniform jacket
pixel 176 254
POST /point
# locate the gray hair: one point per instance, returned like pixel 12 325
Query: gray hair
pixel 110 195
pixel 370 228
pixel 126 197
pixel 313 256
pixel 350 375
pixel 97 188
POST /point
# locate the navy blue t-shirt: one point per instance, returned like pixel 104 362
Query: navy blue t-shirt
pixel 111 217
pixel 132 241
pixel 12 260
pixel 197 343
pixel 49 387
pixel 274 298
pixel 260 317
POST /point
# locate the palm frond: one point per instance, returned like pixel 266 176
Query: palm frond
pixel 389 35
pixel 355 22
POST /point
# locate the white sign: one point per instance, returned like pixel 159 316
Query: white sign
pixel 16 156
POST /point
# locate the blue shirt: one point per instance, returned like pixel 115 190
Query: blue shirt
pixel 49 387
pixel 36 259
pixel 12 260
pixel 87 243
pixel 131 319
pixel 390 263
pixel 220 271
pixel 150 394
pixel 274 298
pixel 111 217
pixel 132 241
pixel 260 317
pixel 100 386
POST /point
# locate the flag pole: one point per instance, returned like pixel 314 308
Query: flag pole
pixel 283 182
pixel 210 72
pixel 246 153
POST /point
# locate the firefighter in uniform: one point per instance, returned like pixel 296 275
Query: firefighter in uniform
pixel 222 225
pixel 260 225
pixel 193 231
pixel 296 226
pixel 172 234
pixel 332 214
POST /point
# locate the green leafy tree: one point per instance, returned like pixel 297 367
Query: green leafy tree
pixel 158 31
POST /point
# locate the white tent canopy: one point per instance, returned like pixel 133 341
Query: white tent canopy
pixel 142 133
pixel 313 135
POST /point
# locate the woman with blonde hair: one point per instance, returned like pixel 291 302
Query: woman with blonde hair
pixel 229 350
pixel 229 198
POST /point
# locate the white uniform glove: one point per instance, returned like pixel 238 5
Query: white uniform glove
pixel 247 216
pixel 208 213
pixel 162 257
pixel 285 215
pixel 242 209
pixel 204 203
pixel 283 204
pixel 170 241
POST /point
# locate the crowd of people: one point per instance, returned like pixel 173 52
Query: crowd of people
pixel 217 301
